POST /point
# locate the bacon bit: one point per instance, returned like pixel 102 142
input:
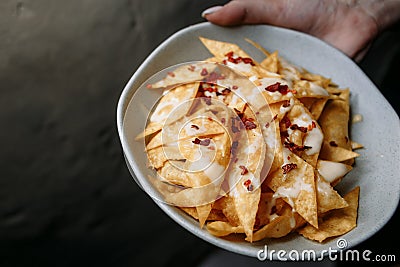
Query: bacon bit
pixel 244 170
pixel 204 142
pixel 288 167
pixel 223 120
pixel 149 86
pixel 300 128
pixel 194 126
pixel 286 121
pixel 235 87
pixel 191 68
pixel 204 72
pixel 267 125
pixel 171 74
pixel 286 104
pixel 333 143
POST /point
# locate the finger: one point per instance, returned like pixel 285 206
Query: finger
pixel 241 12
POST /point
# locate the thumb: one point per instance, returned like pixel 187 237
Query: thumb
pixel 239 12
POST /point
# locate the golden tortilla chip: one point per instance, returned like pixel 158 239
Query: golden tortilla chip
pixel 327 197
pixel 295 183
pixel 219 228
pixel 331 152
pixel 337 222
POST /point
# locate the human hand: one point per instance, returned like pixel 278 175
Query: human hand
pixel 348 25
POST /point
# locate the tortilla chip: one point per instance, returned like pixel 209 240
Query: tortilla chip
pixel 335 153
pixel 297 187
pixel 327 197
pixel 355 145
pixel 337 222
pixel 280 226
pixel 219 228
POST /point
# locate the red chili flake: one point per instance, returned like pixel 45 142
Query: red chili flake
pixel 283 89
pixel 288 157
pixel 235 87
pixel 284 134
pixel 215 112
pixel 288 167
pixel 194 127
pixel 210 89
pixel 257 112
pixel 223 120
pixel 244 170
pixel 294 91
pixel 224 61
pixel 229 54
pixel 236 160
pixel 300 128
pixel 267 125
pixel 211 148
pixel 286 104
pixel 333 143
pixel 191 68
pixel 248 185
pixel 226 91
pixel 204 142
pixel 293 147
pixel 273 87
pixel 286 121
pixel 313 124
pixel 249 124
pixel 204 72
pixel 149 86
pixel 274 118
pixel 236 60
pixel 171 74
pixel 210 119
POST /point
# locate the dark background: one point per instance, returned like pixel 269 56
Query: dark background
pixel 66 196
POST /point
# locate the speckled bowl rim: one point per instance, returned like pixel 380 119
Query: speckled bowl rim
pixel 378 164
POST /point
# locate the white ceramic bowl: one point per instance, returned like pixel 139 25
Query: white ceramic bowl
pixel 376 171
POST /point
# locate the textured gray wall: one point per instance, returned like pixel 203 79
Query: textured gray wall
pixel 66 197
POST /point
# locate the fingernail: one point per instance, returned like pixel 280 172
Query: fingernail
pixel 210 10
